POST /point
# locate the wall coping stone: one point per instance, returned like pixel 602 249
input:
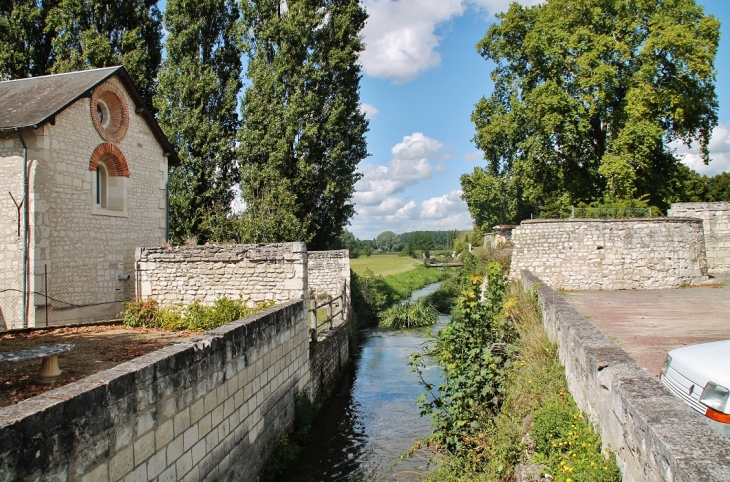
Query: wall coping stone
pixel 614 220
pixel 654 435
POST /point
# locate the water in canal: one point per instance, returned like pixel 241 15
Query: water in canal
pixel 371 418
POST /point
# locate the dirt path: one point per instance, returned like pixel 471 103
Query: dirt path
pixel 97 348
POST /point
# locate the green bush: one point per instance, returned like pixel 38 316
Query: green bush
pixel 409 315
pixel 197 317
pixel 566 443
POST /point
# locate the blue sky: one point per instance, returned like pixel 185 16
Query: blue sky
pixel 422 77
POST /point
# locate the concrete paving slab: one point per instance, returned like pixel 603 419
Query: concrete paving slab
pixel 649 323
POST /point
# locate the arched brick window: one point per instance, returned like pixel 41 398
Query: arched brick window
pixel 109 182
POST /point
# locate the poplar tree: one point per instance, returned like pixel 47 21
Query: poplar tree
pixel 103 33
pixel 25 41
pixel 303 133
pixel 197 99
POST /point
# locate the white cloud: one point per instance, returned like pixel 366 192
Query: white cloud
pixel 473 156
pixel 400 35
pixel 719 153
pixel 443 206
pixel 409 165
pixel 407 212
pixel 369 110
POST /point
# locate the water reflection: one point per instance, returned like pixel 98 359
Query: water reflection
pixel 371 419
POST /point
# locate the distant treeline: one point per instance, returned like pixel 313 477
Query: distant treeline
pixel 411 243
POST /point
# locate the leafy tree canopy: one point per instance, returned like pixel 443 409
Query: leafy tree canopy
pixel 56 36
pixel 197 100
pixel 587 96
pixel 303 133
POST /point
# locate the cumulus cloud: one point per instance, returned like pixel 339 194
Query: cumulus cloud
pixel 719 153
pixel 442 206
pixel 408 165
pixel 400 35
pixel 396 214
pixel 369 110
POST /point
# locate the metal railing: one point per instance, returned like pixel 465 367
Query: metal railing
pixel 336 309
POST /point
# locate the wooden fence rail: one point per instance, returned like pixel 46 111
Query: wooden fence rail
pixel 340 303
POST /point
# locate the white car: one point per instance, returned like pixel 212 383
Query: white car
pixel 700 375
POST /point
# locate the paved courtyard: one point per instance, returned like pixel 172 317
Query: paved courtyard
pixel 647 324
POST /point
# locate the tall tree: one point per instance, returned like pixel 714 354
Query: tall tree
pixel 197 99
pixel 101 33
pixel 588 94
pixel 25 40
pixel 303 133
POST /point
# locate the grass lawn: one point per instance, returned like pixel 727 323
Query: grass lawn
pixel 384 264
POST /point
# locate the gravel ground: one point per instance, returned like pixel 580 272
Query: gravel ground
pixel 97 348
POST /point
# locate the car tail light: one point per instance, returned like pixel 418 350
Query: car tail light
pixel 715 397
pixel 717 416
pixel 667 362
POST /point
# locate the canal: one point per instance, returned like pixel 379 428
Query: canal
pixel 371 419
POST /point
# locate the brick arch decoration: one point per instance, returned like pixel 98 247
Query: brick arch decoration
pixel 118 110
pixel 112 157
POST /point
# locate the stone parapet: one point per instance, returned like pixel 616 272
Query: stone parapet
pixel 610 254
pixel 715 218
pixel 212 408
pixel 254 272
pixel 655 436
pixel 328 270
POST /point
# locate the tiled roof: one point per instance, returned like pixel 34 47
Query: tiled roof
pixel 29 103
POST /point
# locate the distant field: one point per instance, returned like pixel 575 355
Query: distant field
pixel 385 264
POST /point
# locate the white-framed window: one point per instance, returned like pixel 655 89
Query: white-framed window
pixel 102 185
pixel 109 175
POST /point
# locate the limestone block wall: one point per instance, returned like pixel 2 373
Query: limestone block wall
pixel 655 436
pixel 611 254
pixel 11 242
pixel 328 270
pixel 254 272
pixel 716 225
pixel 209 409
pixel 328 358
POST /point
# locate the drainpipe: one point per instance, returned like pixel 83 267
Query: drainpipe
pixel 24 323
pixel 167 208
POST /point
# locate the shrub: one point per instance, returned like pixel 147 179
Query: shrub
pixel 409 315
pixel 196 317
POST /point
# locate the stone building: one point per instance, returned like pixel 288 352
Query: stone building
pixel 96 184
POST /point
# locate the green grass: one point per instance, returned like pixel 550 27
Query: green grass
pixel 384 264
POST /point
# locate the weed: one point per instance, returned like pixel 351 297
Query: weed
pixel 197 317
pixel 409 315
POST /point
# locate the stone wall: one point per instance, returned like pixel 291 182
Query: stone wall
pixel 608 254
pixel 11 242
pixel 83 248
pixel 716 224
pixel 328 357
pixel 210 409
pixel 255 272
pixel 655 436
pixel 328 270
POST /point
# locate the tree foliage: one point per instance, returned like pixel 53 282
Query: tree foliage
pixel 56 36
pixel 197 101
pixel 587 96
pixel 103 33
pixel 303 133
pixel 25 40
